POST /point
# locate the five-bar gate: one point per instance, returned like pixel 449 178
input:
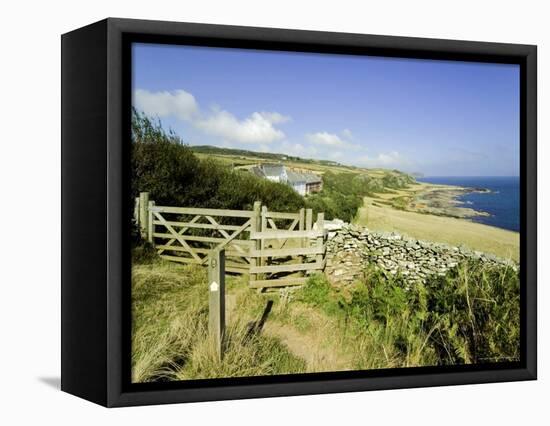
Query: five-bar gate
pixel 275 249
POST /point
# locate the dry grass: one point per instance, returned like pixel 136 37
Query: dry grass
pixel 442 229
pixel 170 336
pixel 311 335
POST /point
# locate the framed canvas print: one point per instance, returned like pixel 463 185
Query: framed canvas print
pixel 254 212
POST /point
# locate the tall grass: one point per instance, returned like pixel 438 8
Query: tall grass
pixel 476 311
pixel 470 315
pixel 170 330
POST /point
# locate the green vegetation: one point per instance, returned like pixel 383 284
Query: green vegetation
pixel 208 149
pixel 471 315
pixel 475 311
pixel 342 194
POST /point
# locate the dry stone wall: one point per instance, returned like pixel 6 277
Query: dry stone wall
pixel 350 249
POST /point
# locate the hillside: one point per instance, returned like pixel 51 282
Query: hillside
pixel 444 229
pixel 386 200
pixel 244 154
pixel 343 186
pixel 240 158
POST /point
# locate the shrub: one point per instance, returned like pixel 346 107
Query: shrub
pixel 340 198
pixel 470 315
pixel 475 308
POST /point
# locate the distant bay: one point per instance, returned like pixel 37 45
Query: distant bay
pixel 502 202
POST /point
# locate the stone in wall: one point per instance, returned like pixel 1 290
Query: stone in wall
pixel 351 248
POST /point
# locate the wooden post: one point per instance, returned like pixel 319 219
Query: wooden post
pixel 150 224
pixel 256 226
pixel 216 299
pixel 309 223
pixel 263 227
pixel 302 225
pixel 320 239
pixel 136 211
pixel 143 214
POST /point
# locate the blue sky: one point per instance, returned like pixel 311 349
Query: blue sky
pixel 440 118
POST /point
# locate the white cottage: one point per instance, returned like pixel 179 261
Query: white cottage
pixel 274 172
pixel 297 181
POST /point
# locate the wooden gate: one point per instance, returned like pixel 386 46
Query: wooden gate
pixel 275 249
pixel 287 247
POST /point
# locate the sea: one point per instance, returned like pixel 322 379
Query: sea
pixel 502 203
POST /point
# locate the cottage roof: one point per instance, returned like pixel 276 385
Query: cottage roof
pixel 312 178
pixel 272 170
pixel 257 171
pixel 295 177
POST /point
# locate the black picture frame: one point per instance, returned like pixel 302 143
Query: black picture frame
pixel 96 88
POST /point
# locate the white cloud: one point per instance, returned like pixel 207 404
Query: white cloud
pixel 258 127
pixel 178 103
pixel 347 134
pixel 332 140
pixel 384 160
pixel 275 117
pixel 325 138
pixel 296 149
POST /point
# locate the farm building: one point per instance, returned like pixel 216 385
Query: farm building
pixel 297 181
pixel 273 172
pixel 302 182
pixel 314 183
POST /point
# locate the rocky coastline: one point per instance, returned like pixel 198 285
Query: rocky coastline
pixel 443 200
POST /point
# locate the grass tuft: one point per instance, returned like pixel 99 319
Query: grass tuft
pixel 170 331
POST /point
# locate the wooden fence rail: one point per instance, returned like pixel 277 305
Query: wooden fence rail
pixel 275 249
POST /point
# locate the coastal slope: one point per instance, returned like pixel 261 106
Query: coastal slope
pixel 383 217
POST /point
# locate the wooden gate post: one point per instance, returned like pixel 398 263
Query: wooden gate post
pixel 309 224
pixel 263 228
pixel 136 211
pixel 143 214
pixel 320 239
pixel 150 222
pixel 256 226
pixel 216 299
pixel 302 225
